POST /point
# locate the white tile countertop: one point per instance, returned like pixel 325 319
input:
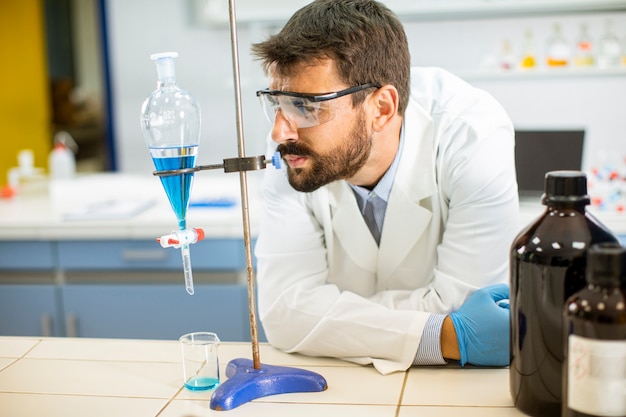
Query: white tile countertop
pixel 123 206
pixel 66 377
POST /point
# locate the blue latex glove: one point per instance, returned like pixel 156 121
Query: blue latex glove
pixel 482 327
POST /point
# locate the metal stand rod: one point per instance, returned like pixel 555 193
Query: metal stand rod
pixel 244 191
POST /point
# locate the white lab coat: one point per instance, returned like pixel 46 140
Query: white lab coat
pixel 326 289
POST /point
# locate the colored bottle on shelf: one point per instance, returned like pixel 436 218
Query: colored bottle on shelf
pixel 548 261
pixel 507 59
pixel 595 335
pixel 529 59
pixel 609 48
pixel 558 50
pixel 583 52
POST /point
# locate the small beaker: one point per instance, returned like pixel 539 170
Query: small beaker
pixel 200 363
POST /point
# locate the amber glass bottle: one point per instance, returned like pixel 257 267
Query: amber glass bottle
pixel 548 261
pixel 594 371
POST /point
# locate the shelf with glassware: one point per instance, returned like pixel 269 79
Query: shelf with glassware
pixel 540 73
pixel 565 55
pixel 428 10
pixel 214 13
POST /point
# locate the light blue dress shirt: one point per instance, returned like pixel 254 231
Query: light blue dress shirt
pixel 373 204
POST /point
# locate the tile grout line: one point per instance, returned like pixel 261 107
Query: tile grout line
pixel 31 349
pixel 62 394
pixel 169 401
pixel 406 376
pixel 22 356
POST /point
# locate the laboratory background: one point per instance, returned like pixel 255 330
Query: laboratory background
pixel 78 72
pixel 80 208
pixel 485 51
pixel 85 66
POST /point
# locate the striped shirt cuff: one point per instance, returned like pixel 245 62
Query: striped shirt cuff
pixel 429 350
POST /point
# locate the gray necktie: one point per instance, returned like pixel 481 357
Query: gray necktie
pixel 368 214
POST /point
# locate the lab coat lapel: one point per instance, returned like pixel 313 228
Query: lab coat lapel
pixel 350 228
pixel 409 208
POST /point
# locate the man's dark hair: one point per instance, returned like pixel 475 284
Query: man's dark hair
pixel 364 38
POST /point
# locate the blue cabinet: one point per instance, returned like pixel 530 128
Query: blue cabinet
pixel 27 255
pixel 30 310
pixel 155 311
pixel 125 255
pixel 29 300
pixel 73 303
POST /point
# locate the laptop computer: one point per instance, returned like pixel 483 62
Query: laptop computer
pixel 540 151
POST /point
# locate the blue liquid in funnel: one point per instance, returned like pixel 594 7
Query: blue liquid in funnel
pixel 177 187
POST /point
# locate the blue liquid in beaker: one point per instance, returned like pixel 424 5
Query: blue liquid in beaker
pixel 177 187
pixel 201 383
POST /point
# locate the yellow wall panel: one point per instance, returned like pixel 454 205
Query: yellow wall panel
pixel 25 121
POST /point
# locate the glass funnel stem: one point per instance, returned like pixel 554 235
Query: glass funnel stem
pixel 184 250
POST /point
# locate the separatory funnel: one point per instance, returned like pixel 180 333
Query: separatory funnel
pixel 170 121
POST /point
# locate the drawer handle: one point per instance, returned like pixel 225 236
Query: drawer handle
pixel 71 325
pixel 143 255
pixel 46 325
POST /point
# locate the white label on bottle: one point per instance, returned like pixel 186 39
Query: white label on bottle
pixel 596 380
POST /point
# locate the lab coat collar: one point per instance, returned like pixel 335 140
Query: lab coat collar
pixel 350 228
pixel 405 218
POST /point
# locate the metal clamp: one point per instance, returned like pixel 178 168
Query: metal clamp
pixel 251 163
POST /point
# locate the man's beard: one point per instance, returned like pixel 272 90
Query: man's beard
pixel 341 163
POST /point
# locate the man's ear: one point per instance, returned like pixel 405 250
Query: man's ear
pixel 384 102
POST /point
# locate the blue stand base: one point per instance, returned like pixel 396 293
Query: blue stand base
pixel 245 383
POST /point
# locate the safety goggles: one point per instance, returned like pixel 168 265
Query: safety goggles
pixel 304 110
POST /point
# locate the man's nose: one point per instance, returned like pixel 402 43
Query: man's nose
pixel 283 130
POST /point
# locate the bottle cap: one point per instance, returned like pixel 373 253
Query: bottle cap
pixel 606 263
pixel 566 187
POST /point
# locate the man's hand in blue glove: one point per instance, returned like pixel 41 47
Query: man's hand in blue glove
pixel 482 327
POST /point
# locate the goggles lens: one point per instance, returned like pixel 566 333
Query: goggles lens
pixel 304 110
pixel 301 111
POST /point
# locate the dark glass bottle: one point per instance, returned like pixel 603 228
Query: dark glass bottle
pixel 548 261
pixel 594 371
